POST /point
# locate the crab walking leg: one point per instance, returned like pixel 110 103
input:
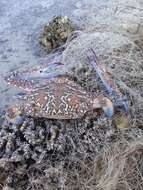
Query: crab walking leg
pixel 101 73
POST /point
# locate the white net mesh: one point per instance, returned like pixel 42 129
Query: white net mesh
pixel 114 29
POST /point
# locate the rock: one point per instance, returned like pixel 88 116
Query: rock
pixel 56 32
pixel 121 121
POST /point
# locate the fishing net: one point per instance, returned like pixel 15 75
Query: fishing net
pixel 97 155
pixel 114 32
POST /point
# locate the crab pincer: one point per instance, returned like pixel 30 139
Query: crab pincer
pixel 34 77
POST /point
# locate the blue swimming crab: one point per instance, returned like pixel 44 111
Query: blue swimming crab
pixel 60 98
pixel 55 96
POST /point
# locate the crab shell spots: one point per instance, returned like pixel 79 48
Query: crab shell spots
pixel 20 83
pixel 61 98
pixel 41 99
pixel 24 84
pixel 73 101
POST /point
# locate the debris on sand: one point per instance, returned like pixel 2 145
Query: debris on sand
pixel 56 32
pixel 121 121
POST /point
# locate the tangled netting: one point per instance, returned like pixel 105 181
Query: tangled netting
pixel 121 55
pixel 90 153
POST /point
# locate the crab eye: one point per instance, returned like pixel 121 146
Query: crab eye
pixel 14 74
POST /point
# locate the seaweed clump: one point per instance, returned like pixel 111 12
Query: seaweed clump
pixel 56 32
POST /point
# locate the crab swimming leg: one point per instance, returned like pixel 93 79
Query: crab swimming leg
pixel 107 83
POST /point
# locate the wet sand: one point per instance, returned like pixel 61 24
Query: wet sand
pixel 20 25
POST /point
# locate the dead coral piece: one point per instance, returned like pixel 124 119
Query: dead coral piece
pixel 56 32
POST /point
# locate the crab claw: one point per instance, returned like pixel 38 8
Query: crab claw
pixel 105 104
pixel 108 108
